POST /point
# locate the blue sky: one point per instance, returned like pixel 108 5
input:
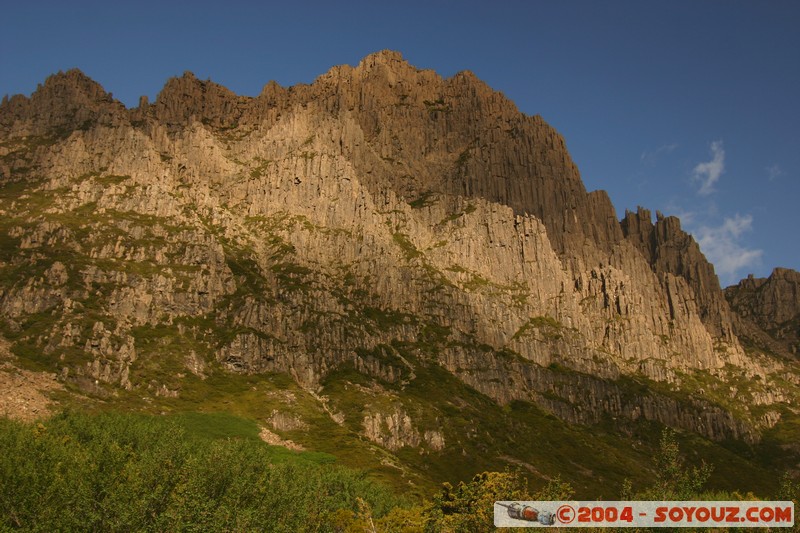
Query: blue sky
pixel 687 107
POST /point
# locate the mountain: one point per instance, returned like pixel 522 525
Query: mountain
pixel 401 269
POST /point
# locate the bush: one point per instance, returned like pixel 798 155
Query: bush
pixel 674 479
pixel 135 472
pixel 470 506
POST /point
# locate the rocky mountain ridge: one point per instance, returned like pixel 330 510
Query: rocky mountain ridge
pixel 768 311
pixel 381 219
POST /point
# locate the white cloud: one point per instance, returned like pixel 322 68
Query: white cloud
pixel 709 172
pixel 721 246
pixel 773 172
pixel 650 156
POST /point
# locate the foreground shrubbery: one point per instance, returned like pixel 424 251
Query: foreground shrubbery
pixel 125 472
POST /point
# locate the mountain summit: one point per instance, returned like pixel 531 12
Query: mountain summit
pixel 404 247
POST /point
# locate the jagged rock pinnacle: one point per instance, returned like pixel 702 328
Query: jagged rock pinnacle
pixel 382 57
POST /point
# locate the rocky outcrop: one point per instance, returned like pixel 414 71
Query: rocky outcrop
pixel 66 102
pixel 670 250
pixel 768 310
pixel 275 440
pixel 396 430
pixel 186 99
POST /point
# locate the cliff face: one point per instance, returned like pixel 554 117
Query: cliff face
pixel 381 219
pixel 768 310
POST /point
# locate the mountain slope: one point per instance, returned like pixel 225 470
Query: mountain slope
pixel 373 235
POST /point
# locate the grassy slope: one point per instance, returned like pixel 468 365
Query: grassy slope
pixel 480 435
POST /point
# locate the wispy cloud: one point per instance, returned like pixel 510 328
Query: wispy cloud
pixel 650 156
pixel 721 246
pixel 709 172
pixel 774 172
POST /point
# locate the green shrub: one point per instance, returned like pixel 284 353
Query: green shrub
pixel 126 472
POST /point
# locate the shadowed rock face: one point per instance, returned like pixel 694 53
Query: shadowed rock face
pixel 769 306
pixel 382 217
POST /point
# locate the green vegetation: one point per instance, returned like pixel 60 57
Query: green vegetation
pixel 385 319
pixel 470 208
pixel 674 480
pixel 261 167
pixel 193 471
pixel 409 250
pixel 475 282
pixel 437 106
pixel 469 506
pixel 548 327
pixel 461 162
pixel 292 277
pixel 424 200
pixel 111 179
pixel 133 472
